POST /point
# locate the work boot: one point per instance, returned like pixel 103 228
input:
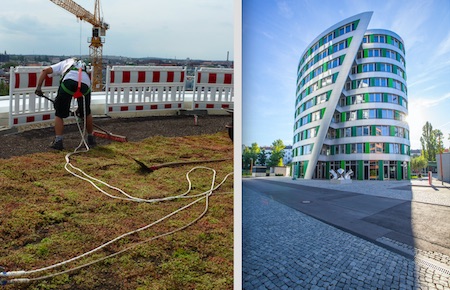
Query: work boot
pixel 91 141
pixel 58 145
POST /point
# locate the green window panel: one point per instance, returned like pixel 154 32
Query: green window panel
pixel 336 32
pixel 366 53
pixel 309 118
pixel 359 69
pixel 349 41
pixel 332 150
pixel 356 24
pixel 316 58
pixel 360 170
pixel 372 38
pixel 359 116
pixel 371 82
pixel 321 42
pixel 348 149
pixel 304 133
pixel 301 150
pixel 385 97
pixel 341 59
pixel 390 83
pixel 402 148
pixel 305 166
pixel 366 147
pixel 338 133
pixel 392 130
pixel 354 131
pixel 394 69
pixel 373 130
pixel 354 85
pixel 366 97
pixel 383 52
pixel 378 66
pixel 342 164
pixel 379 113
pixel 330 50
pixel 335 77
pixel 322 112
pixel 344 116
pixel 389 39
pixel 325 67
pixel 349 100
pixel 311 74
pixel 386 148
pixel 399 170
pixel 380 170
pixel 328 95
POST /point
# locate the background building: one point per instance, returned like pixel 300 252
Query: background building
pixel 351 104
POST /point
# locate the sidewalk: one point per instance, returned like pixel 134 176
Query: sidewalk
pixel 411 190
pixel 286 249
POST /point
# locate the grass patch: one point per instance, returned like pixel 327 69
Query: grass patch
pixel 49 216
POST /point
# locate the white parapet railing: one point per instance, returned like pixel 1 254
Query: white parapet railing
pixel 213 89
pixel 25 107
pixel 144 88
pixel 129 90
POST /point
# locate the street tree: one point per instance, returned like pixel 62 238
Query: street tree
pixel 276 158
pixel 262 157
pixel 418 163
pixel 430 143
pixel 250 155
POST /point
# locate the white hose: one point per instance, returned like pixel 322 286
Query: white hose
pixel 84 176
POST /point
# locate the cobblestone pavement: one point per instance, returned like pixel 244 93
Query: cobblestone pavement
pixel 285 249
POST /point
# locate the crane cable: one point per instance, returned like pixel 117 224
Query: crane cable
pixel 204 195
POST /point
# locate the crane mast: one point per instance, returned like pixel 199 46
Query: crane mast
pixel 96 41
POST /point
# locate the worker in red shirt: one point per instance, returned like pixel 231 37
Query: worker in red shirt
pixel 75 82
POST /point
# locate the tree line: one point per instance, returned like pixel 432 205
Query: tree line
pixel 254 155
pixel 432 145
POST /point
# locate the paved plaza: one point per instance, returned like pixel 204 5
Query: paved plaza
pixel 284 248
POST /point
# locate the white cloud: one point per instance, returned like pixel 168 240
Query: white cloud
pixel 430 102
pixel 444 46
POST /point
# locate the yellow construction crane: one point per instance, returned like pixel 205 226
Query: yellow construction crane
pixel 96 41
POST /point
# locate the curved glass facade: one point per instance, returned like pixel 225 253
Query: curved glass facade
pixel 351 104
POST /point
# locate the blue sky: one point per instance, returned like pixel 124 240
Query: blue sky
pixel 198 29
pixel 276 33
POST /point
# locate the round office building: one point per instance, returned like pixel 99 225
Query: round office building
pixel 351 104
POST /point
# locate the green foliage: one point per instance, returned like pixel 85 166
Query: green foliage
pixel 4 89
pixel 49 216
pixel 262 157
pixel 276 158
pixel 418 163
pixel 431 141
pixel 250 155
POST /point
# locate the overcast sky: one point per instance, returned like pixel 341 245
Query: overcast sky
pixel 276 33
pixel 196 29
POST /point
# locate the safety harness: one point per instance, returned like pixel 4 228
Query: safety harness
pixel 77 93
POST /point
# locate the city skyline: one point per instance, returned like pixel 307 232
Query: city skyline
pixel 171 29
pixel 275 34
